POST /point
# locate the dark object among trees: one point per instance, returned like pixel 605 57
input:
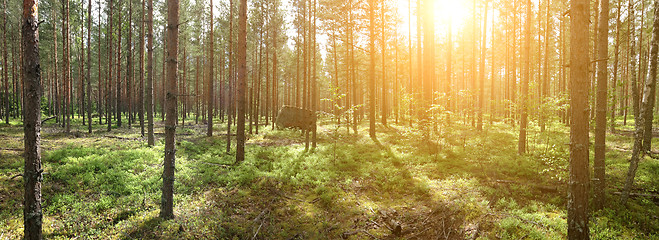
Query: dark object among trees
pixel 294 117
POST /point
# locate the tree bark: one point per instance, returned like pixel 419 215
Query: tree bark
pixel 141 94
pixel 578 183
pixel 644 122
pixel 526 78
pixel 167 199
pixel 615 72
pixel 481 84
pixel 242 80
pixel 33 173
pixel 5 65
pixel 67 66
pixel 632 58
pixel 149 71
pixel 601 105
pixel 371 69
pixel 89 66
pixel 108 88
pixel 209 86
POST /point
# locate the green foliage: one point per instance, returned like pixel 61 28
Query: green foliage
pixel 98 187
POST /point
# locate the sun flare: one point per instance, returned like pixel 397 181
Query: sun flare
pixel 451 11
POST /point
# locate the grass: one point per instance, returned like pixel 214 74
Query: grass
pixel 452 183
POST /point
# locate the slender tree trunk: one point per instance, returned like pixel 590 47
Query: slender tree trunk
pixel 196 90
pixel 209 87
pixel 577 205
pixel 384 63
pixel 149 71
pixel 600 117
pixel 545 79
pixel 119 107
pixel 526 78
pixel 231 76
pixel 89 66
pixel 314 81
pixel 242 80
pixel 633 58
pixel 110 37
pixel 141 72
pixel 371 71
pixel 129 64
pixel 481 71
pixel 67 67
pixel 58 98
pixel 5 65
pixel 614 86
pixel 167 199
pixel 428 56
pixel 100 84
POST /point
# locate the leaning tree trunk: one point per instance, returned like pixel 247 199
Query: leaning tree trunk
pixel 652 75
pixel 645 117
pixel 33 173
pixel 601 103
pixel 167 199
pixel 577 205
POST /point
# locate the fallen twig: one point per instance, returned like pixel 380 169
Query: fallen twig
pixel 48 118
pixel 640 194
pixel 15 176
pixel 123 138
pixel 12 149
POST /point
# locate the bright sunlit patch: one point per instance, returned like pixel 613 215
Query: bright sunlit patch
pixel 452 11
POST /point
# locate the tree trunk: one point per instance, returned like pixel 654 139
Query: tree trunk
pixel 601 105
pixel 209 86
pixel 149 71
pixel 577 205
pixel 33 173
pixel 167 199
pixel 615 72
pixel 384 79
pixel 5 65
pixel 110 40
pixel 242 80
pixel 428 57
pixel 67 66
pixel 481 85
pixel 526 78
pixel 141 94
pixel 129 64
pixel 632 66
pixel 89 66
pixel 646 110
pixel 371 69
pixel 230 80
pixel 119 107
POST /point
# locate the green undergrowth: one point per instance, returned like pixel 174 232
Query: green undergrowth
pixel 454 182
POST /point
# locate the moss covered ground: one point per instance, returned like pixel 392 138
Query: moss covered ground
pixel 450 183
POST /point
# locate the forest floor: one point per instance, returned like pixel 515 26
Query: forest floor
pixel 456 183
